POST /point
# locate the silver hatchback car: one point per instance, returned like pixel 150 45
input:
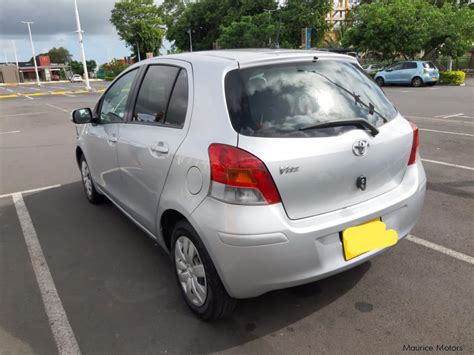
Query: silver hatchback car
pixel 255 169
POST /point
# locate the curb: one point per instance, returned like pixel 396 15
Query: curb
pixel 45 82
pixel 51 93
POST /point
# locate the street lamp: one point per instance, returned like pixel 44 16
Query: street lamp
pixel 81 44
pixel 277 40
pixel 28 23
pixel 190 41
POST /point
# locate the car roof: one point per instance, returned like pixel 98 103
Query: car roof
pixel 252 55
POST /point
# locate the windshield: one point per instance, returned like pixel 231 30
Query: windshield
pixel 279 100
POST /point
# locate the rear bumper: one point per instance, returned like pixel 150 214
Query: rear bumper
pixel 429 78
pixel 257 249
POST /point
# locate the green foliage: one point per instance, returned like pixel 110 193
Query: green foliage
pixel 298 14
pixel 249 32
pixel 78 68
pixel 223 20
pixel 59 55
pixel 406 28
pixel 139 23
pixel 452 77
pixel 113 69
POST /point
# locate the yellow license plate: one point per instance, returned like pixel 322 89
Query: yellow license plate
pixel 366 237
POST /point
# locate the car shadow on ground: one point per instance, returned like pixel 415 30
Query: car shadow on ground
pixel 120 294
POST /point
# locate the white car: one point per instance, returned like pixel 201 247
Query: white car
pixel 76 78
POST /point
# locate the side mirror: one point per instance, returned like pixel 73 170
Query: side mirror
pixel 82 116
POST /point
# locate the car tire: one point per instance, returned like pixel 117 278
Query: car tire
pixel 206 295
pixel 379 80
pixel 92 195
pixel 416 82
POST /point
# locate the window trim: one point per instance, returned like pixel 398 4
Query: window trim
pixel 127 104
pixel 139 85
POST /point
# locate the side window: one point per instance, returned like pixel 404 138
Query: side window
pixel 154 94
pixel 397 66
pixel 115 100
pixel 409 65
pixel 179 101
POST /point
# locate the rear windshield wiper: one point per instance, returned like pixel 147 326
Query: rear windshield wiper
pixel 338 123
pixel 356 97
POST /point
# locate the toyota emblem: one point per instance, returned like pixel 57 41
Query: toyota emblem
pixel 360 147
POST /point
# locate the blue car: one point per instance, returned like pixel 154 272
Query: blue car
pixel 416 73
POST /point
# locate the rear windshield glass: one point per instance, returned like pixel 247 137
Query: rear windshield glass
pixel 429 65
pixel 279 100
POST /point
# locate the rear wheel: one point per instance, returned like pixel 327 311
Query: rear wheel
pixel 197 277
pixel 91 193
pixel 380 81
pixel 416 82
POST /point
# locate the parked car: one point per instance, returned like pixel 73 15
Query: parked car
pixel 372 68
pixel 415 73
pixel 76 78
pixel 255 170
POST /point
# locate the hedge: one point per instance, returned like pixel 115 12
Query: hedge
pixel 109 78
pixel 452 77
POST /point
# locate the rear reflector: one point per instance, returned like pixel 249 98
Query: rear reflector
pixel 240 177
pixel 415 144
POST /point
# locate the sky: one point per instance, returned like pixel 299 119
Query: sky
pixel 54 26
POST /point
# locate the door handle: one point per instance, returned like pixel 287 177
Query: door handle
pixel 112 139
pixel 160 147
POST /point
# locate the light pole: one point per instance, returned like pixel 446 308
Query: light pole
pixel 190 41
pixel 81 44
pixel 277 40
pixel 14 51
pixel 28 23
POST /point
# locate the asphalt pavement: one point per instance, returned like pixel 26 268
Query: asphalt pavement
pixel 117 290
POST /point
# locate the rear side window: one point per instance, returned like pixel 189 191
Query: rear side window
pixel 429 65
pixel 154 94
pixel 279 100
pixel 409 65
pixel 178 104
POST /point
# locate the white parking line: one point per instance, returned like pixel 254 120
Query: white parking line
pixel 446 132
pixel 66 342
pixel 24 114
pixel 57 108
pixel 437 119
pixel 28 97
pixel 31 190
pixel 450 115
pixel 455 254
pixel 448 164
pixel 9 132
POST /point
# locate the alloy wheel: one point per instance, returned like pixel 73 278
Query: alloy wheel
pixel 86 178
pixel 190 270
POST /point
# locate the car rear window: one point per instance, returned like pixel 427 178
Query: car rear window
pixel 429 65
pixel 279 100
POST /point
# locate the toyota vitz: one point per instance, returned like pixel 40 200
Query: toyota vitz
pixel 255 169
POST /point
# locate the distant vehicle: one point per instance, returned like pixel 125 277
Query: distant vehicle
pixel 256 170
pixel 372 68
pixel 76 78
pixel 416 73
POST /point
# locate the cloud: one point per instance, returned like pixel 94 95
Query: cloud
pixel 52 17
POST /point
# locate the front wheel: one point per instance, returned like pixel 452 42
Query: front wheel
pixel 91 193
pixel 416 82
pixel 379 81
pixel 197 277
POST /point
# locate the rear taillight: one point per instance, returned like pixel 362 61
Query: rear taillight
pixel 415 144
pixel 240 177
pixel 426 71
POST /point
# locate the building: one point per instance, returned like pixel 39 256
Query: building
pixel 25 72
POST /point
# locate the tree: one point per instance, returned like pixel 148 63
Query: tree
pixel 409 28
pixel 59 55
pixel 78 68
pixel 140 24
pixel 207 18
pixel 298 14
pixel 114 68
pixel 249 32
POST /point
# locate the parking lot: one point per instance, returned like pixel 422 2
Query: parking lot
pixel 115 287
